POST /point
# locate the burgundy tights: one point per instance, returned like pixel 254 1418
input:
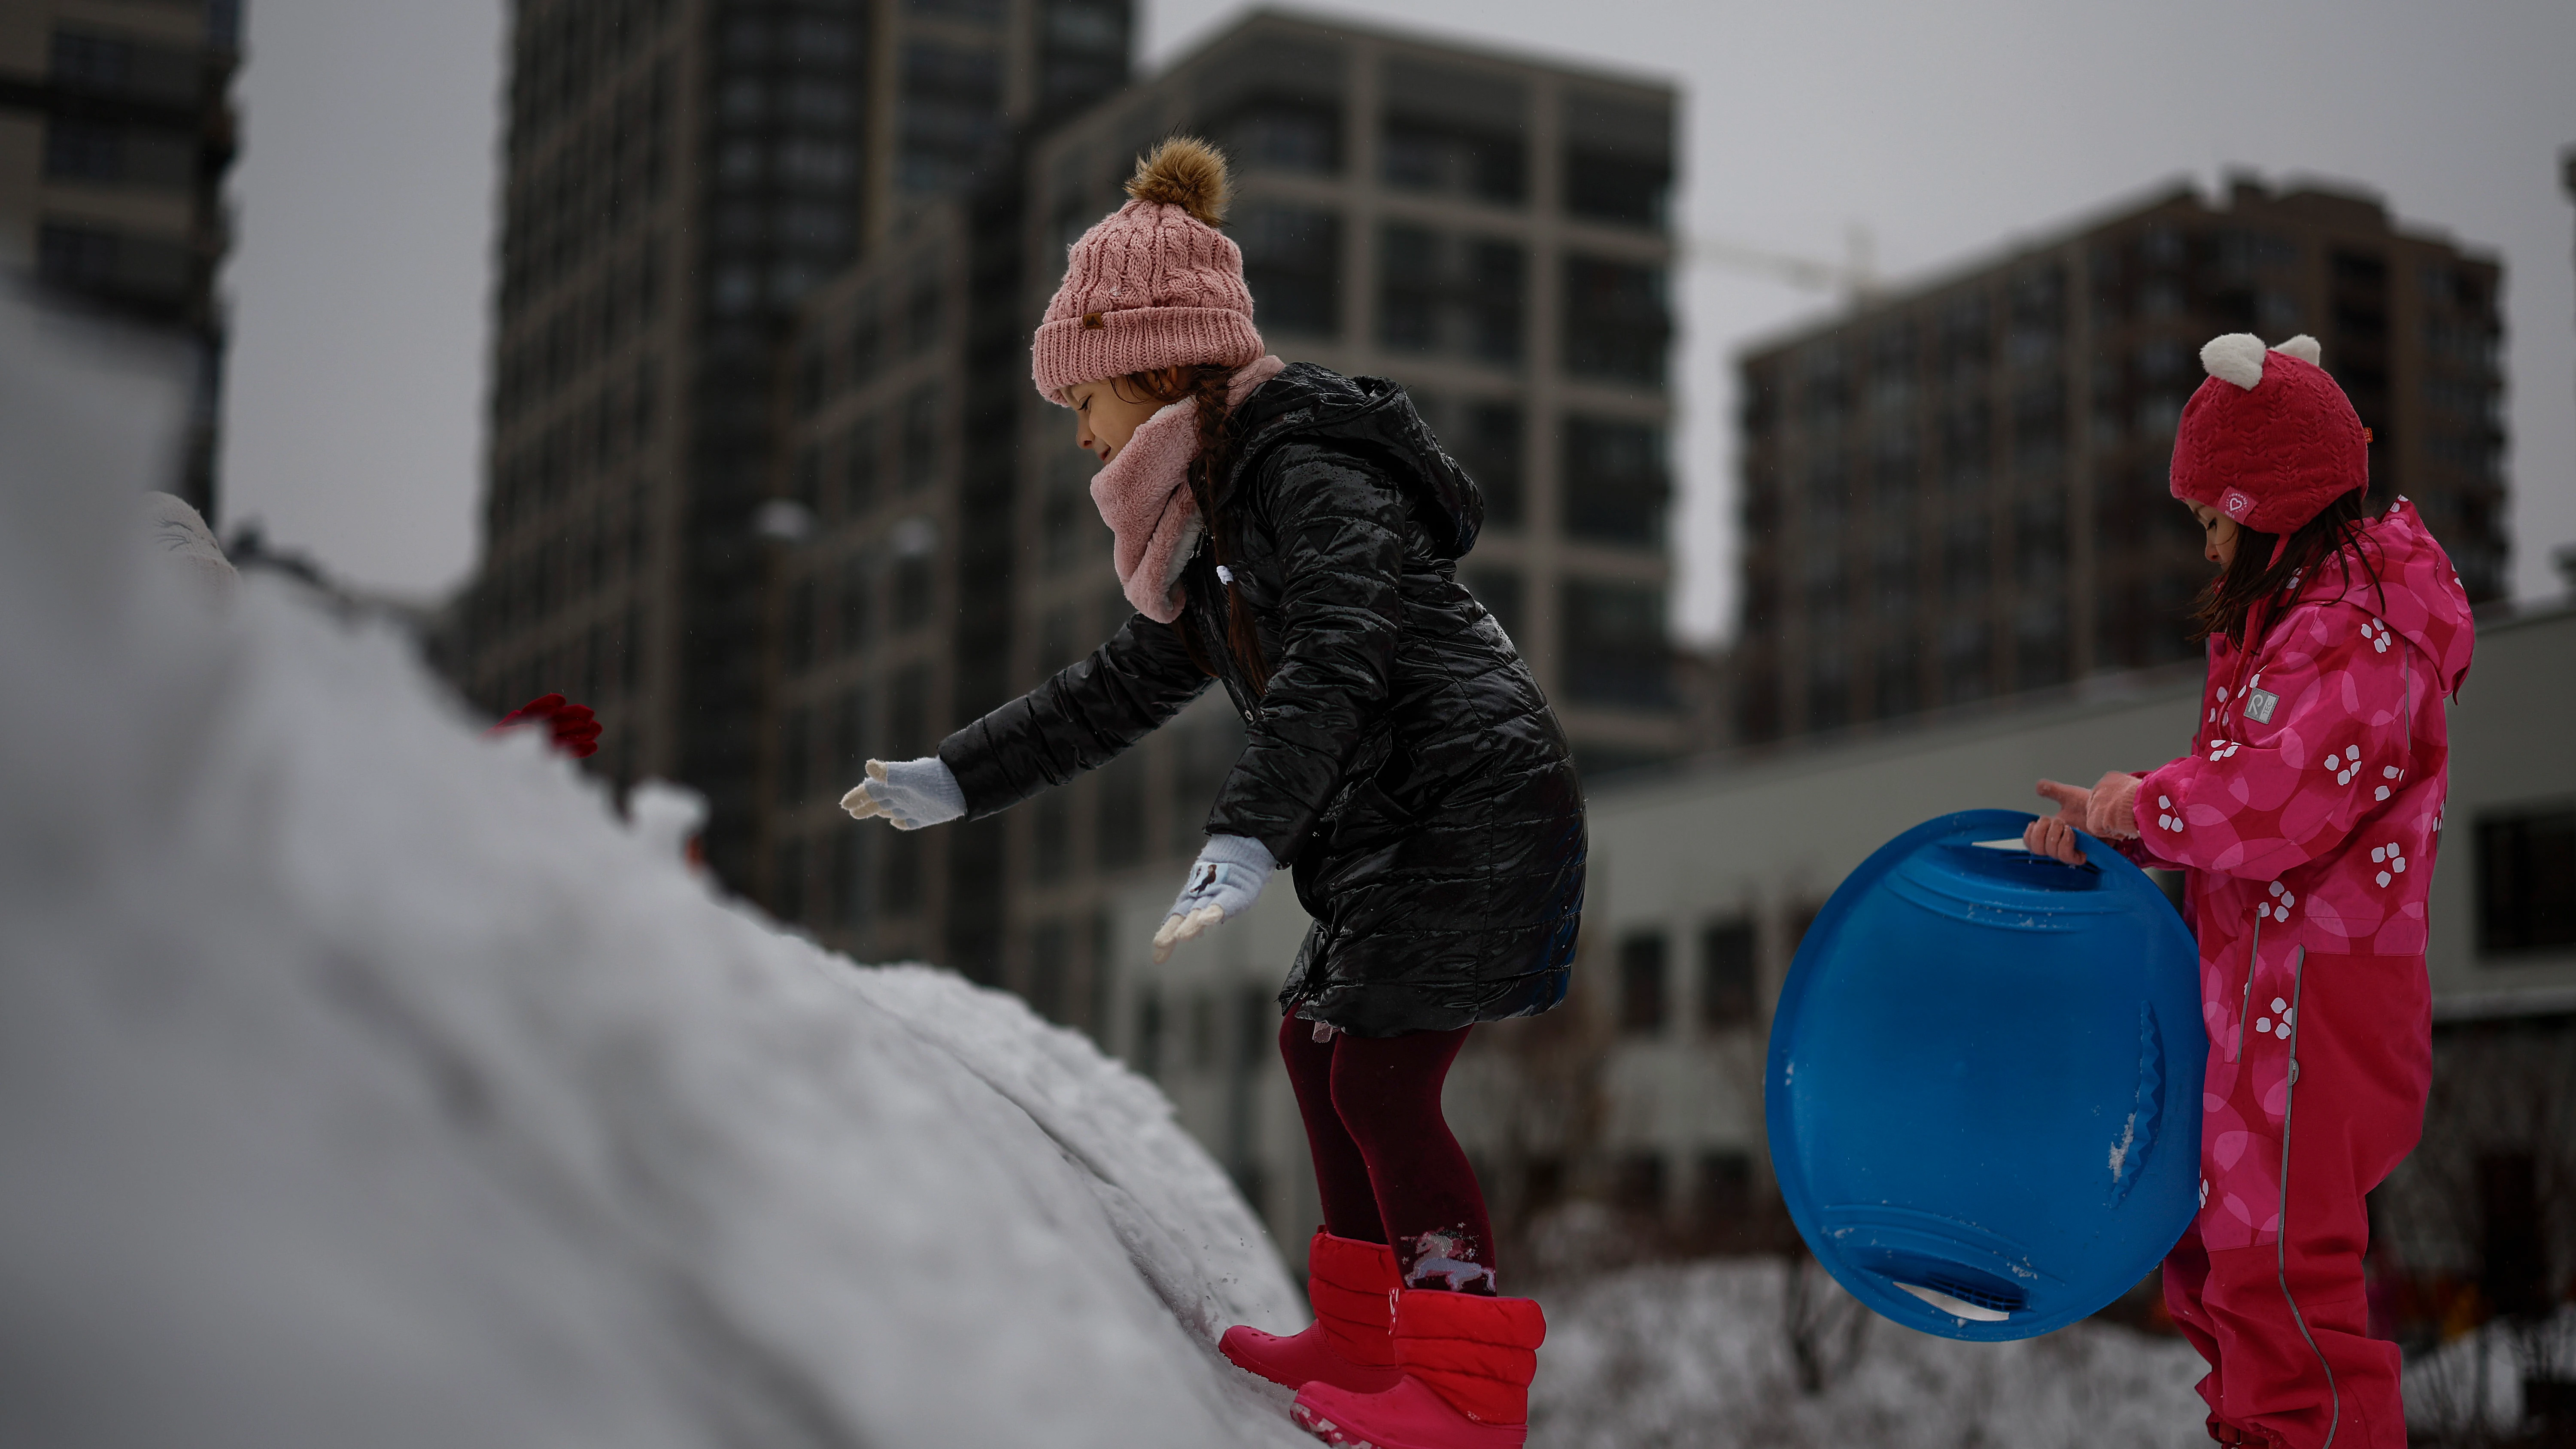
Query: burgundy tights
pixel 1385 1163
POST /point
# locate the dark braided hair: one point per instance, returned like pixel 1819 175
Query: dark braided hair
pixel 1211 478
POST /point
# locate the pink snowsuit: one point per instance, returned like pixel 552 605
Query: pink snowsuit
pixel 2307 816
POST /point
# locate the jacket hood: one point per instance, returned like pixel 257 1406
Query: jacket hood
pixel 1371 417
pixel 2417 592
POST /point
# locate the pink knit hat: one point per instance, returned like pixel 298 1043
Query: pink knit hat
pixel 2269 439
pixel 1154 284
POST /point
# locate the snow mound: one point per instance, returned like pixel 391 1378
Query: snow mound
pixel 365 1081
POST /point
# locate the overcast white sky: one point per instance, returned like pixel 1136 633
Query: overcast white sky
pixel 365 191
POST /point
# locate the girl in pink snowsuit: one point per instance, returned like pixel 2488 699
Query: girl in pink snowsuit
pixel 2305 818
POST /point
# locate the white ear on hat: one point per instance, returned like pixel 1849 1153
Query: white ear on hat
pixel 2304 348
pixel 2237 357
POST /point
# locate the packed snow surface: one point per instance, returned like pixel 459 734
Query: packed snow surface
pixel 364 1080
pixel 1696 1354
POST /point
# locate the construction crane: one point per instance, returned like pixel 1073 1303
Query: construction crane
pixel 1855 276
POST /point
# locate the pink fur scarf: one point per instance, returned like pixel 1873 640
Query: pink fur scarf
pixel 1143 495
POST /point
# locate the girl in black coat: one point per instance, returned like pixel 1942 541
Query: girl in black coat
pixel 1294 534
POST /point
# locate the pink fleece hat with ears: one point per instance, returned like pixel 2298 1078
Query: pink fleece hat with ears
pixel 1154 284
pixel 2269 439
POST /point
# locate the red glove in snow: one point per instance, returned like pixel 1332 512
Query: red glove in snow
pixel 575 729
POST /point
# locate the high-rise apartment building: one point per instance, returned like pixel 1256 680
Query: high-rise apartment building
pixel 680 176
pixel 1957 490
pixel 116 130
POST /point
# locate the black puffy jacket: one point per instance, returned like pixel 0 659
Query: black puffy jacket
pixel 1402 758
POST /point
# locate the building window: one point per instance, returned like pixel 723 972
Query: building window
pixel 1201 759
pixel 921 316
pixel 1487 443
pixel 1050 952
pixel 1898 683
pixel 915 587
pixel 1614 647
pixel 921 419
pixel 1643 984
pixel 908 712
pixel 1725 1197
pixel 1051 837
pixel 1728 980
pixel 866 343
pixel 849 876
pixel 83 151
pixel 1451 295
pixel 1615 486
pixel 795 756
pixel 899 879
pixel 1121 822
pixel 1618 160
pixel 1500 590
pixel 790 894
pixel 1637 1184
pixel 1426 155
pixel 1149 1034
pixel 117 264
pixel 1275 134
pixel 2526 881
pixel 952 115
pixel 1618 326
pixel 798 644
pixel 974 12
pixel 860 462
pixel 1292 261
pixel 854 612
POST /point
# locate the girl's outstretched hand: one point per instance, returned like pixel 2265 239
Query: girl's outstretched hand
pixel 908 793
pixel 1224 882
pixel 2054 836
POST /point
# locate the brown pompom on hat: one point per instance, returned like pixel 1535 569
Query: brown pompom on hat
pixel 1154 284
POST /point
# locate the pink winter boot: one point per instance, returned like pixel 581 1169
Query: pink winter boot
pixel 1467 1366
pixel 1349 1345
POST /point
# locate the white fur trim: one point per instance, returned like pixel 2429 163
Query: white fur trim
pixel 2237 357
pixel 2304 348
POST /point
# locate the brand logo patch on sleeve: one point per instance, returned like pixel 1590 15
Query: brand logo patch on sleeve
pixel 2259 704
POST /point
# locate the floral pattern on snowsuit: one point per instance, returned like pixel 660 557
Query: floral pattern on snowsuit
pixel 2307 818
pixel 2308 814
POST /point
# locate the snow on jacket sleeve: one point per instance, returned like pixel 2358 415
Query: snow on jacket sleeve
pixel 2317 740
pixel 1340 531
pixel 1079 720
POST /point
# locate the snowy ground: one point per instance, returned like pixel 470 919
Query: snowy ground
pixel 366 1081
pixel 1694 1355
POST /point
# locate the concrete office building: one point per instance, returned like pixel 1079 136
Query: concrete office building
pixel 1644 1091
pixel 1957 490
pixel 1488 231
pixel 116 131
pixel 680 176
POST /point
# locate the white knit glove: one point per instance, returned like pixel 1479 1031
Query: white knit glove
pixel 1224 882
pixel 908 793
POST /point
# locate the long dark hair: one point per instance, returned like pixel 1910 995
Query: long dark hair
pixel 2253 575
pixel 1211 477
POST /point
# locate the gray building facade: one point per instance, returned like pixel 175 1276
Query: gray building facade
pixel 1957 490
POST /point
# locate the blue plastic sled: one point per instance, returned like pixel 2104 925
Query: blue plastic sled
pixel 1984 1085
